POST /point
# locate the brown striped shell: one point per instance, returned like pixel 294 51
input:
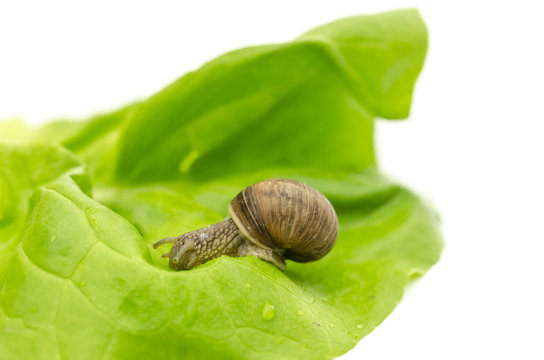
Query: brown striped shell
pixel 288 216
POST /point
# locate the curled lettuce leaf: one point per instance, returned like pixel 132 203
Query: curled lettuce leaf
pixel 82 202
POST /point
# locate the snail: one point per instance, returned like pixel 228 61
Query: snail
pixel 273 220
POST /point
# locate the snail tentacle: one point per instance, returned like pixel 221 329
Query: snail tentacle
pixel 166 240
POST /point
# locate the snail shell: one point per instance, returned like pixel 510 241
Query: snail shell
pixel 286 216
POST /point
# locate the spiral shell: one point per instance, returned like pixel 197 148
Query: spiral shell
pixel 286 216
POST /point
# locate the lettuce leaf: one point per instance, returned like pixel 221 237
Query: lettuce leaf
pixel 78 276
pixel 232 115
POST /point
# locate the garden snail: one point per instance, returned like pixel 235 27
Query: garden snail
pixel 274 220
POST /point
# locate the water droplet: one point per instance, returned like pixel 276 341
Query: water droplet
pixel 331 324
pixel 53 238
pixel 300 312
pixel 360 326
pixel 268 311
pixel 248 286
pixel 34 309
pixel 82 283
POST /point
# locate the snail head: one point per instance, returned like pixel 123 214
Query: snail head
pixel 184 254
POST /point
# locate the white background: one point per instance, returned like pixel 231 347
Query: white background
pixel 473 144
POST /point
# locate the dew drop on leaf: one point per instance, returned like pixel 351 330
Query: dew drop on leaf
pixel 268 311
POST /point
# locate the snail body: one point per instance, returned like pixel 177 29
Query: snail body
pixel 273 220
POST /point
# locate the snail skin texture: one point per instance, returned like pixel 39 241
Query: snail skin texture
pixel 274 220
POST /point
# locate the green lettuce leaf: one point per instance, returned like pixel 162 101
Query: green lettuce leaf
pixel 233 114
pixel 79 278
